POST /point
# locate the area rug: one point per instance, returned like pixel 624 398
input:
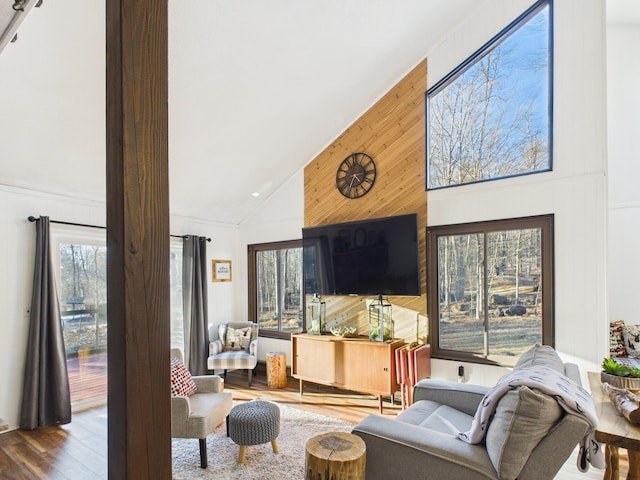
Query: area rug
pixel 296 427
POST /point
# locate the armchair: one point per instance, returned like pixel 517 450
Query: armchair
pixel 198 415
pixel 233 346
pixel 530 436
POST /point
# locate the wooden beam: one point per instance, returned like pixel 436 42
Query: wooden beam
pixel 138 240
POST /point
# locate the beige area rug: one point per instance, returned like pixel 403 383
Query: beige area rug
pixel 296 427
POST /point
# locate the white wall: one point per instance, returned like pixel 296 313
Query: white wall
pixel 224 298
pixel 575 191
pixel 280 218
pixel 623 105
pixel 17 238
pixel 16 264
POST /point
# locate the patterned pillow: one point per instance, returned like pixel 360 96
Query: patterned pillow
pixel 616 343
pixel 182 384
pixel 238 338
pixel 631 337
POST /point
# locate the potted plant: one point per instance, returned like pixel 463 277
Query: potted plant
pixel 620 375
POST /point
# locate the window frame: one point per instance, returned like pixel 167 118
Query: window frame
pixel 470 62
pixel 546 224
pixel 253 285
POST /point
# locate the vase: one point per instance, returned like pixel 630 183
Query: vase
pixel 629 383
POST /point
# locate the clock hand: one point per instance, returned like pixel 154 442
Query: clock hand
pixel 354 177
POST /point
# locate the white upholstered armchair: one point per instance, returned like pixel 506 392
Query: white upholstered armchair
pixel 233 346
pixel 197 414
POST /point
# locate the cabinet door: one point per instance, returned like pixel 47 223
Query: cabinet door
pixel 367 367
pixel 314 359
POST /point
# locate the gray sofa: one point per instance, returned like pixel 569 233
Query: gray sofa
pixel 529 437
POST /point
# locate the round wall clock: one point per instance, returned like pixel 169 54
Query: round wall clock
pixel 356 175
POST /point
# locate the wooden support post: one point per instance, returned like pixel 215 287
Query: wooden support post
pixel 335 456
pixel 139 444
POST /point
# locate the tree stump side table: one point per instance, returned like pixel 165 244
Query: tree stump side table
pixel 335 456
pixel 276 369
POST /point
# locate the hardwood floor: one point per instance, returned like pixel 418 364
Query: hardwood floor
pixel 78 451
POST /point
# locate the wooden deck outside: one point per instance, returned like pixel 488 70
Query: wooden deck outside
pixel 87 380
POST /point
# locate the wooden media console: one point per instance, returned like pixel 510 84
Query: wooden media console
pixel 357 364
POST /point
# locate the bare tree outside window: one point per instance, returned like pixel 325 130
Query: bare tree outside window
pixel 490 288
pixel 83 297
pixel 490 118
pixel 275 271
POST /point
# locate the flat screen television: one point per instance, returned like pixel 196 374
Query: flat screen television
pixel 367 257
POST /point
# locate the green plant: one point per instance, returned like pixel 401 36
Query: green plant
pixel 610 366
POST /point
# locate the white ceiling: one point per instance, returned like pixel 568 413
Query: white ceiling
pixel 256 90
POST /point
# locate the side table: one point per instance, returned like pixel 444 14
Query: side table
pixel 614 431
pixel 335 456
pixel 276 369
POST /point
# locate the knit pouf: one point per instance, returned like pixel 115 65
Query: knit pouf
pixel 254 423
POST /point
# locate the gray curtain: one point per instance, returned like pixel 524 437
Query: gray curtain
pixel 45 395
pixel 194 301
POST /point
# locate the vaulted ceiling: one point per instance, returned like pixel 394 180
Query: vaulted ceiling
pixel 256 90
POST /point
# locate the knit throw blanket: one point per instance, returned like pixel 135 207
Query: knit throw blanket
pixel 570 396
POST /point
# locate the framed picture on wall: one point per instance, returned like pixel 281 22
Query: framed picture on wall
pixel 221 270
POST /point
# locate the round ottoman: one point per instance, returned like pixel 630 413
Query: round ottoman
pixel 254 423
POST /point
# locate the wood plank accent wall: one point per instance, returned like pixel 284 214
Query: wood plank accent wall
pixel 392 132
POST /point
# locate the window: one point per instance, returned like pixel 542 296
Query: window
pixel 79 259
pixel 177 314
pixel 490 288
pixel 490 118
pixel 275 291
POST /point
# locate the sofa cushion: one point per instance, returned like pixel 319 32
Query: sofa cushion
pixel 522 418
pixel 631 336
pixel 182 384
pixel 541 355
pixel 237 338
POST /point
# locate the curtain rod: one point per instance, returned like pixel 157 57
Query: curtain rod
pixel 34 219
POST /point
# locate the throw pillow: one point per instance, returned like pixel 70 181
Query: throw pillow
pixel 616 342
pixel 541 355
pixel 182 384
pixel 238 338
pixel 631 337
pixel 522 418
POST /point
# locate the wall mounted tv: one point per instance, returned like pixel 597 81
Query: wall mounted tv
pixel 368 257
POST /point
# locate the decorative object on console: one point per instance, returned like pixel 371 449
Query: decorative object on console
pixel 380 320
pixel 316 314
pixel 616 342
pixel 620 375
pixel 344 331
pixel 356 175
pixel 625 401
pixel 631 337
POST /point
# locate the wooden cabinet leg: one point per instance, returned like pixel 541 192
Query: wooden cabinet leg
pixel 613 468
pixel 634 465
pixel 301 382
